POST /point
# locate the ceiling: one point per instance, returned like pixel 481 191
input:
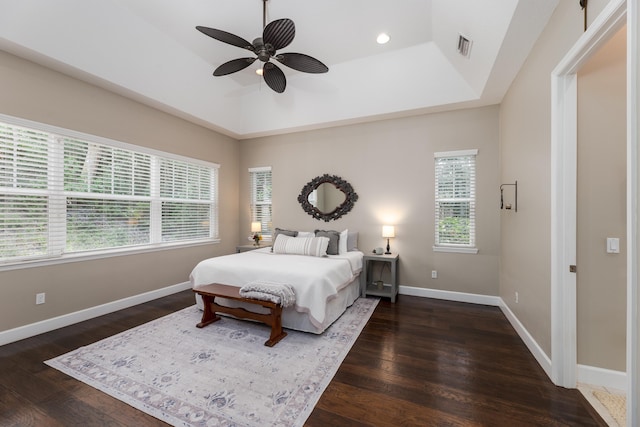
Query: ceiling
pixel 149 50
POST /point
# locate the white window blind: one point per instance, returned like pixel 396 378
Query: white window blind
pixel 186 191
pixel 260 204
pixel 455 199
pixel 24 194
pixel 62 194
pixel 107 196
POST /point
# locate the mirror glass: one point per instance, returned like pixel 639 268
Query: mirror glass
pixel 327 197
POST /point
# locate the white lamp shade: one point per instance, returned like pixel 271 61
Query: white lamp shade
pixel 256 227
pixel 388 231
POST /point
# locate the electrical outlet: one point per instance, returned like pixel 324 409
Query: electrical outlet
pixel 434 274
pixel 40 298
pixel 516 297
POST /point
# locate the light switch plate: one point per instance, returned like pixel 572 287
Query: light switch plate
pixel 613 245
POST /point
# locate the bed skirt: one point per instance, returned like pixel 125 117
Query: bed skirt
pixel 300 321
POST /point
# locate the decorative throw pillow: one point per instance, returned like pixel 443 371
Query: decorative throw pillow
pixel 313 246
pixel 342 243
pixel 334 240
pixel 289 233
pixel 352 241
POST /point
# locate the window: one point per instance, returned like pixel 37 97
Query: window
pixel 65 193
pixel 455 201
pixel 260 183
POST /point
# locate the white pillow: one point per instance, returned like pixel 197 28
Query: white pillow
pixel 306 234
pixel 342 244
pixel 313 246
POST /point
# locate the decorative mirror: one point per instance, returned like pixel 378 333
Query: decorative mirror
pixel 327 197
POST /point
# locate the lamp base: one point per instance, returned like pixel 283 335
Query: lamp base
pixel 388 248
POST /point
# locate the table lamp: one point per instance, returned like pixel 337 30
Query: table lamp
pixel 388 231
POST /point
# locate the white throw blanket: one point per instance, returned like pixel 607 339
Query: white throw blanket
pixel 278 293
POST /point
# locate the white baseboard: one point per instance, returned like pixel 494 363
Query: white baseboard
pixel 450 295
pixel 592 375
pixel 43 326
pixel 538 353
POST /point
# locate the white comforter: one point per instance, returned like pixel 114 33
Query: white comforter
pixel 314 279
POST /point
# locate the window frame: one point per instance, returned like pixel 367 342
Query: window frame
pixel 267 232
pixel 56 134
pixel 470 248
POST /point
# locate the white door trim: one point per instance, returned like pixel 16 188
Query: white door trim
pixel 563 196
pixel 563 228
pixel 633 195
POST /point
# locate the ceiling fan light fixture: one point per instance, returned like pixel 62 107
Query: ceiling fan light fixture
pixel 382 38
pixel 276 35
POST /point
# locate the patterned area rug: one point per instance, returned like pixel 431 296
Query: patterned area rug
pixel 220 375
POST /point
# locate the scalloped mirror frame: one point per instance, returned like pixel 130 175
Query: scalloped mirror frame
pixel 350 197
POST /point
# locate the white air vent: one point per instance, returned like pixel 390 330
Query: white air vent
pixel 464 46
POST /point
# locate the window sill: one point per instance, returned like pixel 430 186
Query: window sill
pixel 455 249
pixel 94 255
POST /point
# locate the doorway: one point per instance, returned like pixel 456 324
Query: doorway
pixel 563 201
pixel 601 228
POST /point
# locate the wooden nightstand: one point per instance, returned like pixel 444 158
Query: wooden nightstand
pixel 368 283
pixel 245 248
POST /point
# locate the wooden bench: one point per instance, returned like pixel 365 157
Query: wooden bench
pixel 209 294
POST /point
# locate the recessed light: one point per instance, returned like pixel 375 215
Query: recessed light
pixel 382 38
pixel 259 71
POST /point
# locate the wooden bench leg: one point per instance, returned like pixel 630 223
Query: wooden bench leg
pixel 208 316
pixel 276 327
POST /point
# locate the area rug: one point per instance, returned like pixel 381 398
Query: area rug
pixel 220 375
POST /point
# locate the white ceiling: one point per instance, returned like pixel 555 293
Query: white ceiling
pixel 149 50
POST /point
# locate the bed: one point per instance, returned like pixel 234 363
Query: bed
pixel 324 285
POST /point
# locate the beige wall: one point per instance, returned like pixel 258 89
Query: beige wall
pixel 601 277
pixel 33 92
pixel 390 165
pixel 525 142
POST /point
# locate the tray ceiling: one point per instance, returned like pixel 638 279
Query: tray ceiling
pixel 149 50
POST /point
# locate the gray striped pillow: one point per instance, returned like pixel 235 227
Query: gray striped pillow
pixel 313 246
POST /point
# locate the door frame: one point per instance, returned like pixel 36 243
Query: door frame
pixel 564 93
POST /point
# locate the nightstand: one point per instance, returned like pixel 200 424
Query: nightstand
pixel 368 283
pixel 245 248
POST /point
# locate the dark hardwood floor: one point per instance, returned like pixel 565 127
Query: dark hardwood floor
pixel 419 362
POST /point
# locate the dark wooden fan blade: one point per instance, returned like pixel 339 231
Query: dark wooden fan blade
pixel 233 66
pixel 279 33
pixel 225 37
pixel 274 77
pixel 302 62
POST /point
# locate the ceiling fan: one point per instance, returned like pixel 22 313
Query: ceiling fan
pixel 276 35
